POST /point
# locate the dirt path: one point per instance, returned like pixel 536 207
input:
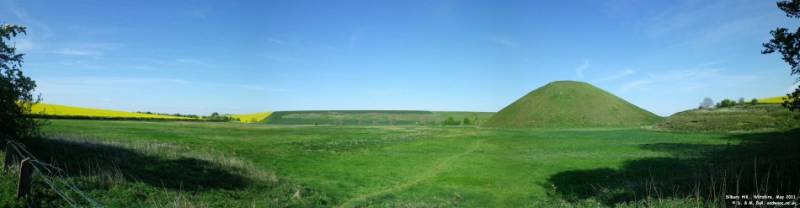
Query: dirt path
pixel 432 172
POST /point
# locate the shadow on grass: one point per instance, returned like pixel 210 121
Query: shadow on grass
pixel 762 163
pixel 91 159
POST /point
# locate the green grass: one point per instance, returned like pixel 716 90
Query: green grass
pixel 241 165
pixel 761 117
pixel 569 104
pixel 372 117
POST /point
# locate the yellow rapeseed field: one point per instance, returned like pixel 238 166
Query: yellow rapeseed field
pixel 253 117
pixel 772 100
pixel 63 110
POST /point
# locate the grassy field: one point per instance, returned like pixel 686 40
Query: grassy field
pixel 373 117
pixel 54 110
pixel 185 164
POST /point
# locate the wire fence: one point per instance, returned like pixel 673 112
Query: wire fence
pixel 17 154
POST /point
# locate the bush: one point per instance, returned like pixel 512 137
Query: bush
pixel 16 90
pixel 450 122
pixel 726 103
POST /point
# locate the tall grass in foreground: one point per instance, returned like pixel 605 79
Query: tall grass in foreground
pixel 148 174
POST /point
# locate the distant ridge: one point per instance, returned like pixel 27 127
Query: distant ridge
pixel 565 104
pixel 373 117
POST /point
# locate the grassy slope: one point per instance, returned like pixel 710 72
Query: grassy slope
pixel 408 166
pixel 253 117
pixel 371 117
pixel 570 104
pixel 738 118
pixel 70 111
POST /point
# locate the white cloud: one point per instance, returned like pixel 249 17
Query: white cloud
pixel 192 62
pixel 635 85
pixel 84 49
pixel 503 41
pixel 96 85
pixel 620 75
pixel 354 37
pixel 25 45
pixel 276 41
pixel 793 87
pixel 700 77
pixel 581 68
pixel 258 88
pixel 77 52
pixel 708 23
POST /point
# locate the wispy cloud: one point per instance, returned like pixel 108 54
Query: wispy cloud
pixel 688 79
pixel 189 61
pixel 503 41
pixel 77 52
pixel 200 13
pixel 704 23
pixel 25 45
pixel 276 41
pixel 84 49
pixel 620 75
pixel 636 85
pixel 257 88
pixel 83 85
pixel 579 70
pixel 34 25
pixel 354 37
pixel 793 87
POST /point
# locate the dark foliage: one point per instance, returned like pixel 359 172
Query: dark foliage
pixel 16 89
pixel 763 163
pixel 788 44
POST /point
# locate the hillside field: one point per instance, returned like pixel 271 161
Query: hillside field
pixel 373 117
pixel 760 117
pixel 199 164
pixel 63 111
pixel 253 117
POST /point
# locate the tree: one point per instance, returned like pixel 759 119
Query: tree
pixel 788 44
pixel 726 103
pixel 16 90
pixel 466 121
pixel 450 121
pixel 741 101
pixel 707 103
pixel 753 101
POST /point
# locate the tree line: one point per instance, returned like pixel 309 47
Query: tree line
pixel 708 103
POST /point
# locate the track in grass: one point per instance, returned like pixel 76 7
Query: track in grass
pixel 432 172
pixel 413 166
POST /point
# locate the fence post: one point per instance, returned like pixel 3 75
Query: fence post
pixel 25 176
pixel 9 158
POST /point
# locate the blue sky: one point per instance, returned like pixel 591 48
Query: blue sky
pixel 251 56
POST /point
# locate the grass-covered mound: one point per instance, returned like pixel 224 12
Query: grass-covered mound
pixel 376 117
pixel 566 104
pixel 761 117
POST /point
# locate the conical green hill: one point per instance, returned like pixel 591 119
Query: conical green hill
pixel 570 104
